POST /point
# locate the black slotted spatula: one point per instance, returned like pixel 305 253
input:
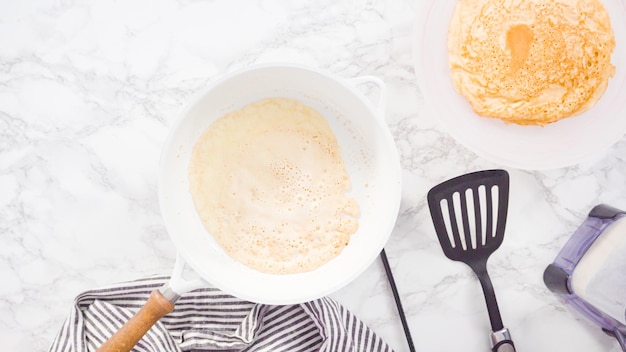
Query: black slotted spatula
pixel 469 215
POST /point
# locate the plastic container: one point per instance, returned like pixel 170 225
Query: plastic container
pixel 588 271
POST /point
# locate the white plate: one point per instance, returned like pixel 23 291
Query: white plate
pixel 559 144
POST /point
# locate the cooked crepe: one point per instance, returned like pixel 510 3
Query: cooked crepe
pixel 269 183
pixel 530 62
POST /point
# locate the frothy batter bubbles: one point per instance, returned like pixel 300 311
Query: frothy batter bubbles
pixel 269 184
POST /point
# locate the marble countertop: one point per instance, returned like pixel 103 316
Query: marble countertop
pixel 88 90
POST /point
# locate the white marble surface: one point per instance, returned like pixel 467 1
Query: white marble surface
pixel 88 90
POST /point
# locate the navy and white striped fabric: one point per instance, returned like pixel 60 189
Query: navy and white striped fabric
pixel 210 320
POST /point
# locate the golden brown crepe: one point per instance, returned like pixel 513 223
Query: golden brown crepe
pixel 530 62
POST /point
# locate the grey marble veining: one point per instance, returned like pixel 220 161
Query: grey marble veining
pixel 88 90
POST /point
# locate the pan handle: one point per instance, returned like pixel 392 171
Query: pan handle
pixel 178 283
pixel 160 303
pixel 382 98
pixel 127 337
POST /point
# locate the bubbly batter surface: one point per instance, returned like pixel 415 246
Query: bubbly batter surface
pixel 530 61
pixel 269 184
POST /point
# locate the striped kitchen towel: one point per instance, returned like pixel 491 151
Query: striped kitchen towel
pixel 210 320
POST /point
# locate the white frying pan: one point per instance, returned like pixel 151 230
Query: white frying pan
pixel 368 151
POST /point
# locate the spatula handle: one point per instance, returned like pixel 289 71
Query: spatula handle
pixel 480 269
pixel 501 341
pixel 506 346
pixel 128 335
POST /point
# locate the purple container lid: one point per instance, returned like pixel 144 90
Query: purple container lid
pixel 557 276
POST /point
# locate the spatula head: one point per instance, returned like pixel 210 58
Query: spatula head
pixel 469 214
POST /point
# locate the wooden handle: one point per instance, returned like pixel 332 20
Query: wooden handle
pixel 128 335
